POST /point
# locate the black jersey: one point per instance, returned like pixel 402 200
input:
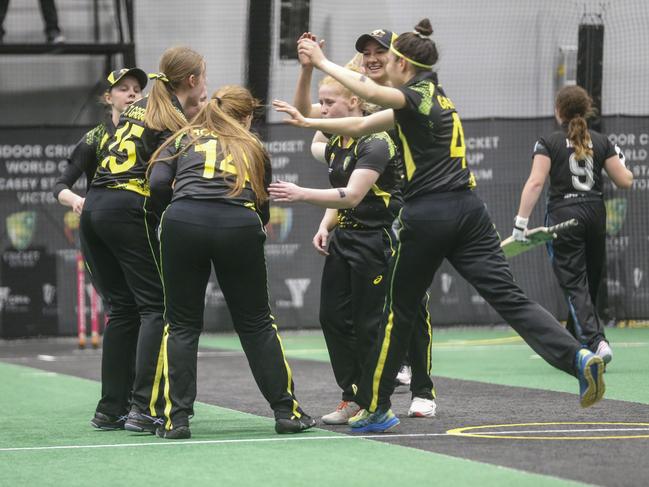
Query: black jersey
pixel 130 149
pixel 432 140
pixel 203 172
pixel 381 204
pixel 572 179
pixel 85 157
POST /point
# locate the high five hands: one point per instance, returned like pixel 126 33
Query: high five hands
pixel 309 50
pixel 303 57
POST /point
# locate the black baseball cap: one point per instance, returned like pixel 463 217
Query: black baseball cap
pixel 382 36
pixel 114 77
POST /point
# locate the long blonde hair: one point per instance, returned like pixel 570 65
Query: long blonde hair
pixel 224 116
pixel 574 105
pixel 176 65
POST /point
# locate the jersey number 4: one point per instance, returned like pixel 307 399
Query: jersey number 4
pixel 126 145
pixel 458 149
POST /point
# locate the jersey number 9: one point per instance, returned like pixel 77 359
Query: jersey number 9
pixel 580 172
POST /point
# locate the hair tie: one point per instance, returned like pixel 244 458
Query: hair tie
pixel 218 100
pixel 421 36
pixel 159 76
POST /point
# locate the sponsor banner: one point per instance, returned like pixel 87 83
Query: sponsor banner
pixel 35 229
pixel 498 153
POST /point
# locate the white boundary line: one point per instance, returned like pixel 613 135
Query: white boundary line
pixel 218 442
pixel 351 436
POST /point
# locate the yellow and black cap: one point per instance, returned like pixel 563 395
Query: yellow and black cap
pixel 114 77
pixel 382 36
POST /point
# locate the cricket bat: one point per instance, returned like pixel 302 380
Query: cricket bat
pixel 535 236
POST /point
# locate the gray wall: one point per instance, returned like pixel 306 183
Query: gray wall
pixel 498 57
pixel 216 29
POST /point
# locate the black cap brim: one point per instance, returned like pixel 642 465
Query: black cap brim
pixel 138 74
pixel 365 38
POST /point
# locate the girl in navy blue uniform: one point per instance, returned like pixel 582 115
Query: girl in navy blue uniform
pixel 573 158
pixel 219 172
pixel 441 219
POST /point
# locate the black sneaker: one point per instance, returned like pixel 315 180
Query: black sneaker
pixel 102 421
pixel 142 423
pixel 178 433
pixel 294 424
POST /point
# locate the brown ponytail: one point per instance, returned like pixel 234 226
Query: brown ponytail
pixel 574 106
pixel 224 116
pixel 176 65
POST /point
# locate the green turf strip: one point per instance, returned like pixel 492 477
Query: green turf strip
pixel 494 355
pixel 47 409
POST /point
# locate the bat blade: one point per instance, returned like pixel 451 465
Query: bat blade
pixel 535 237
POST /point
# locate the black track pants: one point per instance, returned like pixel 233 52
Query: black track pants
pixel 455 226
pixel 578 259
pixel 120 249
pixel 352 296
pixel 196 236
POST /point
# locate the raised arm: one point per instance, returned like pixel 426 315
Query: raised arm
pixel 302 98
pixel 358 83
pixel 349 126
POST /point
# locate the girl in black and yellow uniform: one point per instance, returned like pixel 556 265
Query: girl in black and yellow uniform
pixel 441 218
pixel 366 173
pixel 124 88
pixel 573 158
pixel 216 217
pixel 120 248
pixel 415 372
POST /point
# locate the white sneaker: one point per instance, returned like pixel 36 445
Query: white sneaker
pixel 344 411
pixel 422 408
pixel 604 351
pixel 404 376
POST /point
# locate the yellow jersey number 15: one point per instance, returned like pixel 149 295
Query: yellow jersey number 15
pixel 124 144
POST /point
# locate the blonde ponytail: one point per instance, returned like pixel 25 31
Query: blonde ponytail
pixel 176 65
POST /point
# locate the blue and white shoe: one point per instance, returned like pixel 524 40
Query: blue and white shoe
pixel 590 372
pixel 379 421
